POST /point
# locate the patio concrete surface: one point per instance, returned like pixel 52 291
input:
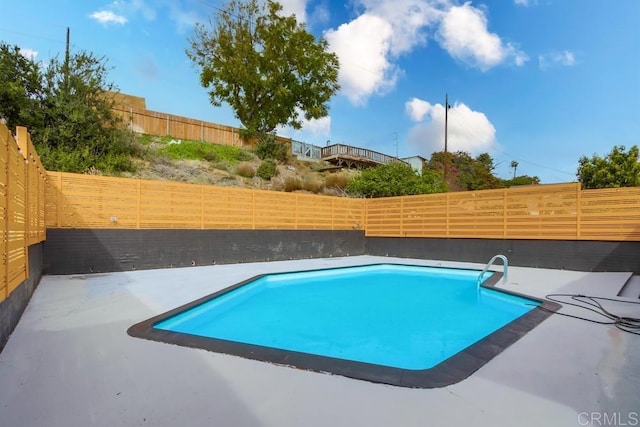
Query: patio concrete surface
pixel 71 363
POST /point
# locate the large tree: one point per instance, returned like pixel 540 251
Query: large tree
pixel 81 132
pixel 266 66
pixel 466 172
pixel 619 168
pixel 21 91
pixel 65 107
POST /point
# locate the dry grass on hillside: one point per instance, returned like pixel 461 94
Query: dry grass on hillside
pixel 161 162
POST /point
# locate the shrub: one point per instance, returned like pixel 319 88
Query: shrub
pixel 292 183
pixel 313 185
pixel 267 170
pixel 335 180
pixel 395 179
pixel 246 170
pixel 269 148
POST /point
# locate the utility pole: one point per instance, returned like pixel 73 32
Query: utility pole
pixel 66 64
pixel 446 120
pixel 395 136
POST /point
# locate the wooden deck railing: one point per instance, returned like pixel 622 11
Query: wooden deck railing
pixel 357 153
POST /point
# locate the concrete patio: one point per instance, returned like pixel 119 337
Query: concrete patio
pixel 71 363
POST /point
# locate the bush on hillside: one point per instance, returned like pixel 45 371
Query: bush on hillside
pixel 267 170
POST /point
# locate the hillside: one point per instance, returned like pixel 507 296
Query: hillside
pixel 169 159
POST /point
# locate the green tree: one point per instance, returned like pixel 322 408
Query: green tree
pixel 514 165
pixel 521 180
pixel 81 132
pixel 21 90
pixel 395 179
pixel 465 172
pixel 619 168
pixel 267 67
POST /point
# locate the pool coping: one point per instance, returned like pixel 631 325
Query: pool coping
pixel 450 371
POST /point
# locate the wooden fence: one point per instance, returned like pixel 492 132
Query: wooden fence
pixel 22 195
pixel 559 211
pixel 149 122
pixel 84 201
pixel 32 199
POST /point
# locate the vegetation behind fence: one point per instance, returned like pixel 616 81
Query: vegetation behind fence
pixel 22 195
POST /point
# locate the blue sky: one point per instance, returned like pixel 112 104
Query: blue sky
pixel 541 82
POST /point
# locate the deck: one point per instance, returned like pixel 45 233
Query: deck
pixel 355 157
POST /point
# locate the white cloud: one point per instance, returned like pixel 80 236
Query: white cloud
pixel 468 130
pixel 29 53
pixel 295 7
pixel 319 127
pixel 464 34
pixel 564 58
pixel 524 3
pixel 369 46
pixel 107 17
pixel 417 109
pixel 363 47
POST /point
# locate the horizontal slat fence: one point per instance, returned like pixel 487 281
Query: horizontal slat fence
pixel 86 201
pixel 610 214
pixel 544 212
pixel 22 194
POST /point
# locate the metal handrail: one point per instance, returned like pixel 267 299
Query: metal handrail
pixel 505 265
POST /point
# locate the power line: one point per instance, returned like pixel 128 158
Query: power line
pixel 532 163
pixel 35 36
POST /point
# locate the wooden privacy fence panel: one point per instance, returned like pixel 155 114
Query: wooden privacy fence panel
pixel 542 212
pixel 610 214
pixel 149 122
pixel 21 206
pixel 84 201
pixel 559 211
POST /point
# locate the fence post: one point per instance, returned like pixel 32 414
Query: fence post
pixel 23 144
pixel 504 213
pixel 333 214
pixel 447 216
pixel 402 216
pixel 7 196
pixel 578 211
pixel 59 200
pixel 253 209
pixel 202 207
pixel 201 131
pixel 167 125
pixel 138 204
pixel 295 212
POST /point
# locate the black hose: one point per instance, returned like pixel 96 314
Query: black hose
pixel 591 303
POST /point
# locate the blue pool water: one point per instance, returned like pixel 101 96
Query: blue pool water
pixel 399 316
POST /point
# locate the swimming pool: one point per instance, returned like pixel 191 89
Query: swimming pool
pixel 404 325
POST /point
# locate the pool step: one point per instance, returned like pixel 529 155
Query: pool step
pixel 631 288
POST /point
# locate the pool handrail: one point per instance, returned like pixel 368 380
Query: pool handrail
pixel 505 268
